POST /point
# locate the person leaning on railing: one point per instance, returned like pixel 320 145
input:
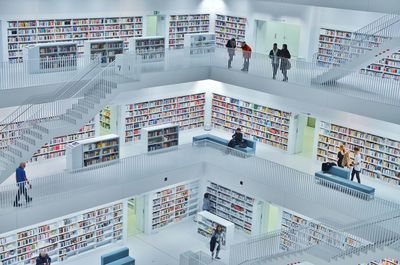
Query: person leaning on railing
pixel 284 54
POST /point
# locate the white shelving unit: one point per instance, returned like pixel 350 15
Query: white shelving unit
pixel 228 27
pixel 200 43
pixel 381 155
pixel 160 137
pixel 207 223
pixel 179 25
pixel 21 33
pixel 233 206
pixel 187 111
pixel 263 124
pixel 150 49
pixel 315 233
pixel 105 49
pixel 65 237
pixel 51 57
pixel 93 151
pixel 172 205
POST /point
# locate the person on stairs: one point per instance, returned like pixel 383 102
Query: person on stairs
pixel 22 180
pixel 216 241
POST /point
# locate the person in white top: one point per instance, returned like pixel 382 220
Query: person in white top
pixel 356 165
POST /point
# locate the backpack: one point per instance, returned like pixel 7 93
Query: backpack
pixel 326 166
pixel 228 44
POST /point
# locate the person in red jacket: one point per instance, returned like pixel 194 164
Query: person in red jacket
pixel 246 49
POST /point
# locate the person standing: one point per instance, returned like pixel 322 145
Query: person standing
pixel 231 46
pixel 216 241
pixel 22 180
pixel 346 162
pixel 43 258
pixel 246 49
pixel 273 55
pixel 356 165
pixel 340 155
pixel 206 202
pixel 284 55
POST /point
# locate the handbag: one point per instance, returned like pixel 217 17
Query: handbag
pixel 289 65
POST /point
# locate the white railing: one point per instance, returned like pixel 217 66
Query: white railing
pixel 198 258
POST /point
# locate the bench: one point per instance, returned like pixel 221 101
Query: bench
pixel 250 148
pixel 341 177
pixel 118 257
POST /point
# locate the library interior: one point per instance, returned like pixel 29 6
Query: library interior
pixel 194 132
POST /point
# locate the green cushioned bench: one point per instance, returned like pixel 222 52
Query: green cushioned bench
pixel 341 176
pixel 249 149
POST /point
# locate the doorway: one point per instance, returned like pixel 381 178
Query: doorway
pixel 305 135
pixel 270 32
pixel 155 25
pixel 135 216
pixel 271 217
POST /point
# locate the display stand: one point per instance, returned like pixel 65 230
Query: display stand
pixel 149 49
pixel 160 137
pixel 93 151
pixel 179 25
pixel 263 124
pixel 65 237
pixel 207 223
pixel 105 49
pixel 232 206
pixel 172 205
pixel 51 57
pixel 200 43
pixel 228 27
pixel 381 156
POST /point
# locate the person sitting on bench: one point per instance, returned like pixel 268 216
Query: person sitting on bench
pixel 237 139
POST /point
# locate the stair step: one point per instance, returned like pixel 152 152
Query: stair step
pixel 33 133
pixel 80 108
pixel 74 113
pixel 86 103
pixel 14 151
pixel 92 98
pixel 28 139
pixel 40 128
pixel 68 119
pixel 21 145
pixel 8 157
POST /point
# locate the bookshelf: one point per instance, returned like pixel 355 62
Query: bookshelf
pixel 105 118
pixel 51 57
pixel 228 27
pixel 64 237
pixel 105 49
pixel 172 205
pixel 55 148
pixel 200 43
pixel 94 151
pixel 150 49
pixel 232 206
pixel 263 124
pixel 208 222
pixel 315 233
pixel 160 137
pixel 187 111
pixel 21 33
pixel 388 68
pixel 179 25
pixel 381 156
pixel 385 262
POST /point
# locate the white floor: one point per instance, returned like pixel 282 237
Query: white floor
pixel 162 248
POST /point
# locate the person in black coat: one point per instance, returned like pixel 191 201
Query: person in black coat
pixel 273 55
pixel 43 259
pixel 231 46
pixel 237 138
pixel 284 55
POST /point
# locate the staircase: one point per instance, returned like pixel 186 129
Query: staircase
pixel 387 27
pixel 70 108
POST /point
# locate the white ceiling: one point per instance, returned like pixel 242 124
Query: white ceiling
pixel 381 6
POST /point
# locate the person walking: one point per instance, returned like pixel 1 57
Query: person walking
pixel 216 241
pixel 340 155
pixel 206 202
pixel 43 258
pixel 22 180
pixel 284 55
pixel 231 46
pixel 356 165
pixel 273 55
pixel 246 49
